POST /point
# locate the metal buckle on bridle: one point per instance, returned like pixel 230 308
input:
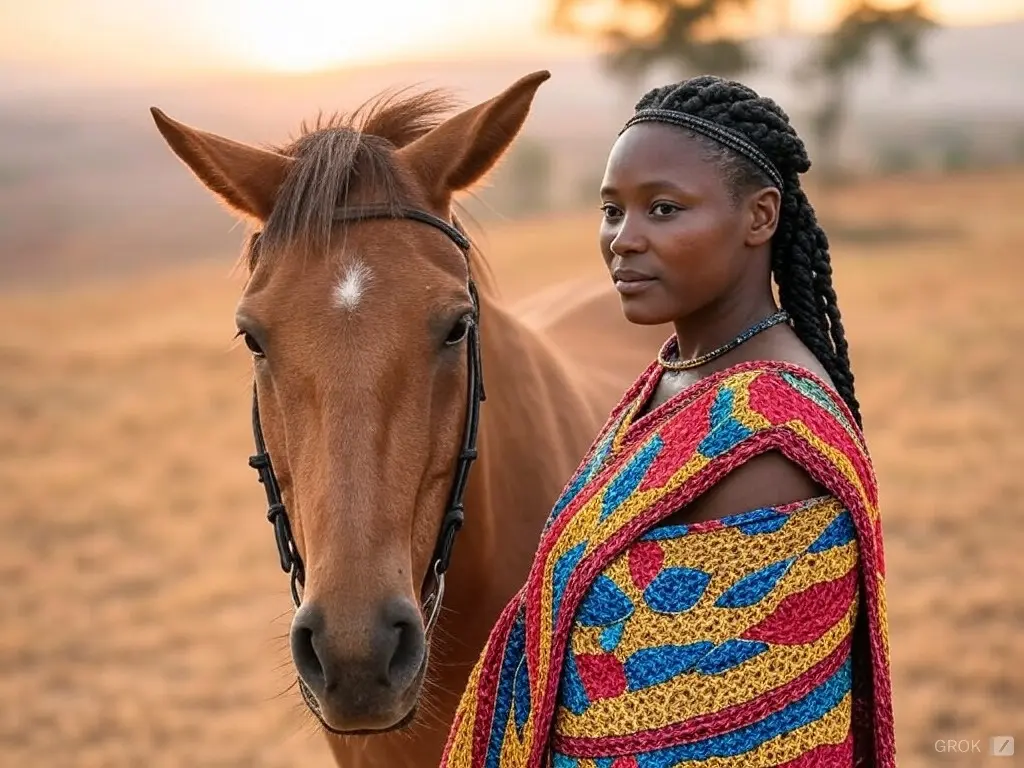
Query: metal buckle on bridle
pixel 432 605
pixel 291 561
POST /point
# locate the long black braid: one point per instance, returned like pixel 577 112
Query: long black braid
pixel 800 261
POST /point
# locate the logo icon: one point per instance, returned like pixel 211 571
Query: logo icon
pixel 1001 746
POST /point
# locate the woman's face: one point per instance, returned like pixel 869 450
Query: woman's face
pixel 674 239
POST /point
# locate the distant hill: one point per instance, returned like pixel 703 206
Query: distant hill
pixel 87 186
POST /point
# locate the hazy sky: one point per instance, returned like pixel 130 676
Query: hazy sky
pixel 144 37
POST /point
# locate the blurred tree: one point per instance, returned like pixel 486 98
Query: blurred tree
pixel 847 49
pixel 691 34
pixel 525 177
pixel 642 33
pixel 955 150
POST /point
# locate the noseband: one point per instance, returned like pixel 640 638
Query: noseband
pixel 291 562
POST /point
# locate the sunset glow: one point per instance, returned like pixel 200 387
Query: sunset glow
pixel 308 35
pixel 133 38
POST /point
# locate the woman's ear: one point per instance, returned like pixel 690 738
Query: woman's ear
pixel 763 207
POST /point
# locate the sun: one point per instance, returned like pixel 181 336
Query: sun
pixel 311 35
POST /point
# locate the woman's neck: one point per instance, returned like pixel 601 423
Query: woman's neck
pixel 721 322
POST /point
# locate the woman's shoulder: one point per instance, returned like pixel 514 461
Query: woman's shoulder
pixel 778 391
pixel 772 428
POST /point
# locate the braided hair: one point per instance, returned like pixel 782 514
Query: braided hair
pixel 800 262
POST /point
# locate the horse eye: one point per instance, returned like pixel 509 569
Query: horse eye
pixel 459 331
pixel 251 343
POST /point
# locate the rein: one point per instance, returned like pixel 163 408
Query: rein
pixel 291 561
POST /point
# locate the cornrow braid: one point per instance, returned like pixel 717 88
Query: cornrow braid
pixel 800 261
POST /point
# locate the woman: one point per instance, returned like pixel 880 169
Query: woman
pixel 709 590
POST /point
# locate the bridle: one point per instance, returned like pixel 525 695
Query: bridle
pixel 291 561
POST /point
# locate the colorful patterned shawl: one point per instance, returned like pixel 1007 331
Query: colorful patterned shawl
pixel 564 656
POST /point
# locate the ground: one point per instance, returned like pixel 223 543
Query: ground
pixel 144 611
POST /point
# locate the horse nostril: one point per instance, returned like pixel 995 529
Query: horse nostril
pixel 406 641
pixel 404 648
pixel 307 661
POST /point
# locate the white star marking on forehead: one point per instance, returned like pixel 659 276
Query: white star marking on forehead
pixel 350 289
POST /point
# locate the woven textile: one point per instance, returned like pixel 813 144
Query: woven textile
pixel 756 640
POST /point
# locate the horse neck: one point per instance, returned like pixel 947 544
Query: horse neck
pixel 536 424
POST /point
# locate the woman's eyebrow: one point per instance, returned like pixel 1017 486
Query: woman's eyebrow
pixel 647 186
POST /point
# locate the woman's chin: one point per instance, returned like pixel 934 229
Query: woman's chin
pixel 644 312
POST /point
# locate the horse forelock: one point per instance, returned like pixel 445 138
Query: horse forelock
pixel 346 154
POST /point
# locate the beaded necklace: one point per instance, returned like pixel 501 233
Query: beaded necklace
pixel 695 362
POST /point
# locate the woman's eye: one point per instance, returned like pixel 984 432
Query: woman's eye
pixel 459 331
pixel 610 211
pixel 664 209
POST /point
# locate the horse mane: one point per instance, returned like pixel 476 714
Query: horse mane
pixel 341 152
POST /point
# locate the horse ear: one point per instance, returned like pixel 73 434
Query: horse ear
pixel 457 153
pixel 245 178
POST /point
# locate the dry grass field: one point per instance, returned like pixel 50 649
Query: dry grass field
pixel 143 608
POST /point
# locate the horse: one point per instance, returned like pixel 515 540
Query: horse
pixel 402 403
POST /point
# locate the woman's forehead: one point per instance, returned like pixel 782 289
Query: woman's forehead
pixel 649 151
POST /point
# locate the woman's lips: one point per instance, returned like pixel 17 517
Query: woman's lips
pixel 630 282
